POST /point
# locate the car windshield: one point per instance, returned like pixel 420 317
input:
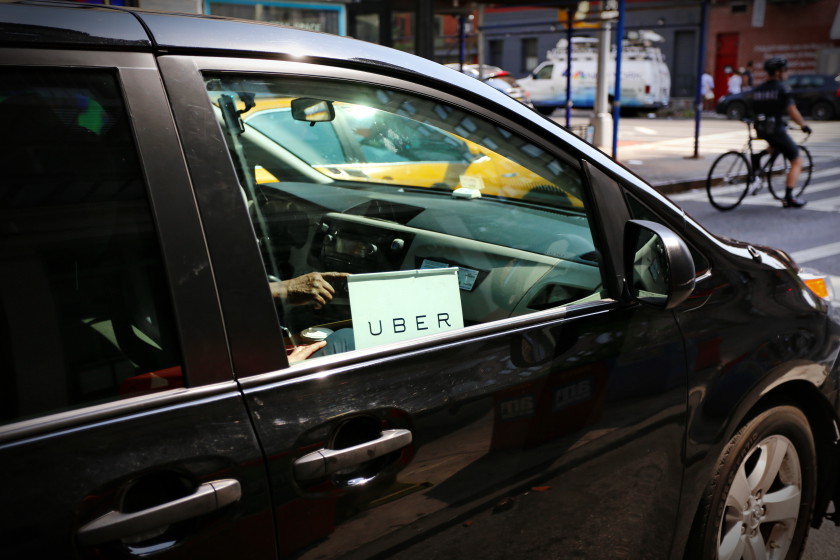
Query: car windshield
pixel 359 135
pixel 380 137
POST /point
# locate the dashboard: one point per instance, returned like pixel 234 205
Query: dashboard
pixel 512 259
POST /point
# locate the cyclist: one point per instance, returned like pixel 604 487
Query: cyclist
pixel 771 102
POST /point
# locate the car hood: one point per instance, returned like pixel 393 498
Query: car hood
pixel 760 253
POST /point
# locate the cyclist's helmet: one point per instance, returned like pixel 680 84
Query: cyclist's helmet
pixel 774 64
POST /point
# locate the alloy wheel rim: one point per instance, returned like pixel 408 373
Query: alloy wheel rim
pixel 762 507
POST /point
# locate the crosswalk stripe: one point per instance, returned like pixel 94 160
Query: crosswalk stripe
pixel 822 187
pixel 820 173
pixel 810 189
pixel 830 204
pixel 815 205
pixel 816 253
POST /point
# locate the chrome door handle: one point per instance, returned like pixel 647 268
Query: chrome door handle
pixel 207 498
pixel 323 462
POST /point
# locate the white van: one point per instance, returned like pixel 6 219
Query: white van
pixel 645 78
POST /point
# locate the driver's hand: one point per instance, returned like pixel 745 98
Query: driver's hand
pixel 301 353
pixel 312 288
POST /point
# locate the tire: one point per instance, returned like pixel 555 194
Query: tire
pixel 760 500
pixel 779 166
pixel 728 180
pixel 822 111
pixel 736 111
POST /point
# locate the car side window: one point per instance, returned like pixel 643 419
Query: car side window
pixel 383 216
pixel 85 315
pixel 545 72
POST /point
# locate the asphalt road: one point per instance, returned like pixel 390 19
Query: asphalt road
pixel 665 152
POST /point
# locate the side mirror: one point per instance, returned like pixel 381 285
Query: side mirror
pixel 312 110
pixel 658 266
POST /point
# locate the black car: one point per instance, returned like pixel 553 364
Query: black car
pixel 217 342
pixel 816 95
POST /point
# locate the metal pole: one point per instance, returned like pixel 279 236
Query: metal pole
pixel 701 67
pixel 480 47
pixel 619 49
pixel 570 14
pixel 462 41
pixel 603 118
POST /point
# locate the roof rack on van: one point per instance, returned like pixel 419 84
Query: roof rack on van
pixel 638 44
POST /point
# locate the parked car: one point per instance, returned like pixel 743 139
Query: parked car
pixel 200 364
pixel 500 79
pixel 816 95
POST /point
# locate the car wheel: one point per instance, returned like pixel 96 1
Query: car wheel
pixel 735 111
pixel 822 111
pixel 760 500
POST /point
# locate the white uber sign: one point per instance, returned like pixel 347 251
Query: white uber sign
pixel 394 306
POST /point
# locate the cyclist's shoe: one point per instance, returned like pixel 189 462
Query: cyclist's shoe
pixel 791 201
pixel 755 185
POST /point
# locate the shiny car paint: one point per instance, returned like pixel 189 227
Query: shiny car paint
pixel 584 430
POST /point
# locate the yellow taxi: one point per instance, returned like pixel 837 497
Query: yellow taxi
pixel 358 143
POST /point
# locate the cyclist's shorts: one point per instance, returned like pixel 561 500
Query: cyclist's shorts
pixel 780 140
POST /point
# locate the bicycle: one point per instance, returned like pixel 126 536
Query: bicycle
pixel 732 175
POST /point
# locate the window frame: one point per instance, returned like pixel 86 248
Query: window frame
pixel 203 349
pixel 248 298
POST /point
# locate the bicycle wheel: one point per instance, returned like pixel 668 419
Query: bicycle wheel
pixel 728 180
pixel 779 166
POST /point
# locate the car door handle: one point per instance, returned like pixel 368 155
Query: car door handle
pixel 323 462
pixel 114 525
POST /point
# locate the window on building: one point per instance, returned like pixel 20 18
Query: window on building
pixel 530 59
pixel 327 19
pixel 495 52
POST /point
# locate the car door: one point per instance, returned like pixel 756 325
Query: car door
pixel 796 85
pixel 544 415
pixel 807 91
pixel 122 432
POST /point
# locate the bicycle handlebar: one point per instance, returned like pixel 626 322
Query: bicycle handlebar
pixel 749 121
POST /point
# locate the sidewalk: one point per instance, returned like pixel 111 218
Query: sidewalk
pixel 666 159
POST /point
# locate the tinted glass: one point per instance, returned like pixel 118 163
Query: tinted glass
pixel 544 73
pixel 84 311
pixel 402 216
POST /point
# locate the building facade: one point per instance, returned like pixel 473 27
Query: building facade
pixel 807 33
pixel 516 36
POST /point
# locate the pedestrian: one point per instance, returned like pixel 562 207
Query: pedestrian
pixel 747 82
pixel 733 84
pixel 707 90
pixel 771 103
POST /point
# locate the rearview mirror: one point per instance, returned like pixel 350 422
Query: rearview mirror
pixel 312 110
pixel 659 269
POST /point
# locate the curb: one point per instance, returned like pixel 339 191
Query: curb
pixel 678 186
